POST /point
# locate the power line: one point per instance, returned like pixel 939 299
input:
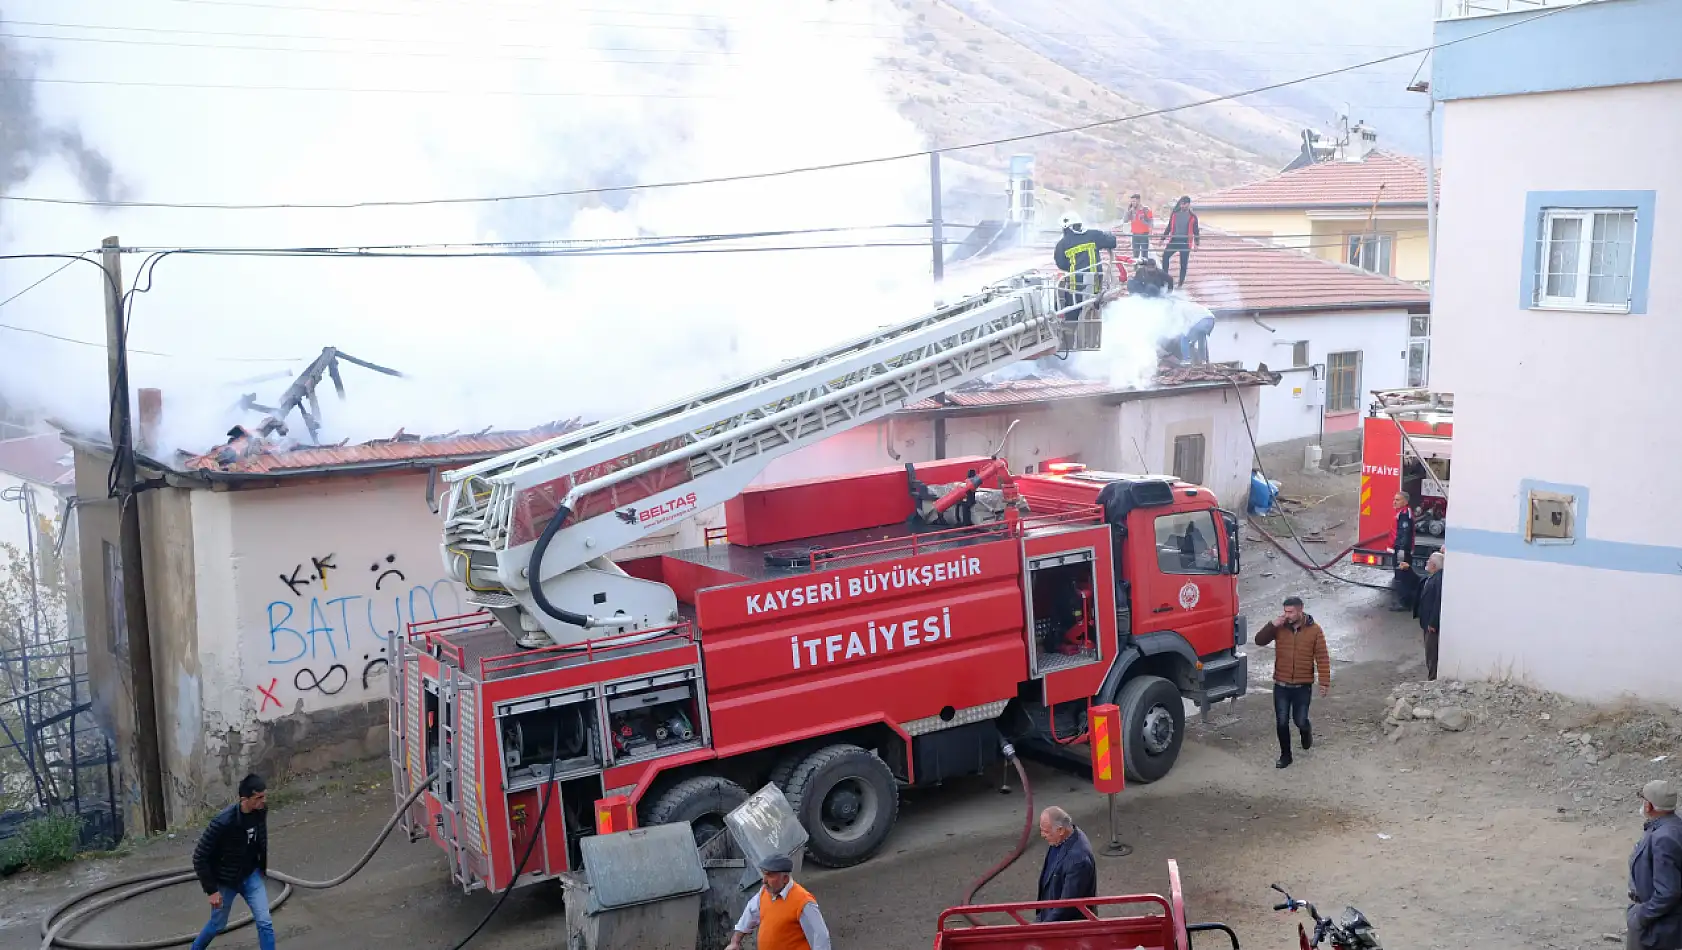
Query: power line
pixel 456 55
pixel 758 176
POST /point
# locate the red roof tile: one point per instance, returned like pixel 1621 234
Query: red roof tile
pixel 1331 184
pixel 1230 274
pixel 244 454
pixel 43 459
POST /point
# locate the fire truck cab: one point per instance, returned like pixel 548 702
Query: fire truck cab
pixel 831 641
pixel 1407 448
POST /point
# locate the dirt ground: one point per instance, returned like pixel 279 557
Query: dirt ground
pixel 1511 833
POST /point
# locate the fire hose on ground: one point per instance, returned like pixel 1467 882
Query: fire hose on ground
pixel 1027 827
pixel 73 912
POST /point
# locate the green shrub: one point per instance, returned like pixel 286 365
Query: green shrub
pixel 43 843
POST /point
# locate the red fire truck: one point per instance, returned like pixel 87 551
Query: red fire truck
pixel 1406 447
pixel 843 636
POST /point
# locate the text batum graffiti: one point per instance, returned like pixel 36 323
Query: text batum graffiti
pixel 869 582
pixel 886 637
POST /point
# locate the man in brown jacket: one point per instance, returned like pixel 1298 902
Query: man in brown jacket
pixel 1298 659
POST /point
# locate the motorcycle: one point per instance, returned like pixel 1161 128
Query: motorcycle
pixel 1351 931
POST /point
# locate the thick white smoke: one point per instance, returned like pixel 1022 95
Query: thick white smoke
pixel 1132 327
pixel 524 97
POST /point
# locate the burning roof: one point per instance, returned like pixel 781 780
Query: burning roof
pixel 246 453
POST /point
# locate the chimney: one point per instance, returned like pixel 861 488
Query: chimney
pixel 151 415
pixel 1362 140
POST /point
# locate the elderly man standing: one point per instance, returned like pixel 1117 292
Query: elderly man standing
pixel 1069 872
pixel 1428 607
pixel 1654 919
pixel 785 914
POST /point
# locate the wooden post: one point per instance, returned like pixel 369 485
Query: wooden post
pixel 134 575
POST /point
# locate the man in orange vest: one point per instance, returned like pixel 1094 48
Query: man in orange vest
pixel 784 913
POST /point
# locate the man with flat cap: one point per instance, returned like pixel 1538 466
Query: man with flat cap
pixel 785 914
pixel 1654 918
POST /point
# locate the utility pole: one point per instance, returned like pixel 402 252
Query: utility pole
pixel 937 234
pixel 134 576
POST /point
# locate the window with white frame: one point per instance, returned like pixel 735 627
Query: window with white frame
pixel 1369 251
pixel 1419 349
pixel 1585 259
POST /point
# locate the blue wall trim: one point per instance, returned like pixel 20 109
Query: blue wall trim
pixel 1642 201
pixel 1605 43
pixel 1582 552
pixel 1587 552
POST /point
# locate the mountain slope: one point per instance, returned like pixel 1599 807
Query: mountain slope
pixel 1165 54
pixel 962 81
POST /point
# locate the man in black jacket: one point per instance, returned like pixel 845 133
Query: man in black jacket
pixel 1428 607
pixel 1069 872
pixel 232 857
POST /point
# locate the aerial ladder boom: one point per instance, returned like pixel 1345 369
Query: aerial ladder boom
pixel 528 532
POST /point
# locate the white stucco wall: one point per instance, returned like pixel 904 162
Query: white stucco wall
pixel 295 637
pixel 1110 437
pixel 1581 400
pixel 1381 337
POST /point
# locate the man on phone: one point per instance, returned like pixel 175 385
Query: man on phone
pixel 232 857
pixel 1299 658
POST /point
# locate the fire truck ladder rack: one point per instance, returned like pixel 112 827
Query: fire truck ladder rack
pixel 713 444
pixel 1399 402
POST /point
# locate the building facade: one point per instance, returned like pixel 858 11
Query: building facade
pixel 1191 427
pixel 1559 296
pixel 1334 332
pixel 1362 206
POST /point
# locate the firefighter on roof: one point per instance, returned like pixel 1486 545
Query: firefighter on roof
pixel 785 914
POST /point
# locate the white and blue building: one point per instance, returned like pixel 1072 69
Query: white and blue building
pixel 1558 328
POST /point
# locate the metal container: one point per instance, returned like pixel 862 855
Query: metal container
pixel 639 889
pixel 764 826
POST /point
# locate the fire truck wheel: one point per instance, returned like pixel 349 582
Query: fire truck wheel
pixel 1153 723
pixel 848 800
pixel 702 801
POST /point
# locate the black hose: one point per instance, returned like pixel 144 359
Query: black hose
pixel 537 835
pixel 62 917
pixel 535 575
pixel 1027 828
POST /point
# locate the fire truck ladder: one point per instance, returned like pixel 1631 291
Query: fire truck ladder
pixel 593 491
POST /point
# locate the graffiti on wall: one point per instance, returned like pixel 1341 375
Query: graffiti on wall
pixel 326 628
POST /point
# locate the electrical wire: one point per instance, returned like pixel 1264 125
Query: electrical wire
pixel 785 172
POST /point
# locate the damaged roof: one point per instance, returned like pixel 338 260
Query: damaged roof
pixel 1235 275
pixel 1330 185
pixel 248 454
pixel 1170 380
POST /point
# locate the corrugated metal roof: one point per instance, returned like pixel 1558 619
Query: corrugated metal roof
pixel 245 454
pixel 1330 185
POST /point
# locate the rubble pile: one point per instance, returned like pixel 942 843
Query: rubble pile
pixel 1591 757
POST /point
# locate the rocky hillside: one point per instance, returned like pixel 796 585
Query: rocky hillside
pixel 963 81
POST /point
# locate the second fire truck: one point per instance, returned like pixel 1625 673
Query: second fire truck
pixel 1406 447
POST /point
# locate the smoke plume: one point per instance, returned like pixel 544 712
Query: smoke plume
pixel 444 100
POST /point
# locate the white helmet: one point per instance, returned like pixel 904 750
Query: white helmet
pixel 1071 219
